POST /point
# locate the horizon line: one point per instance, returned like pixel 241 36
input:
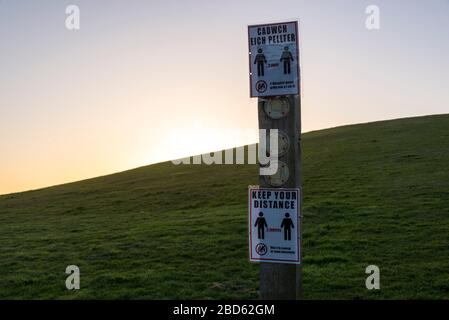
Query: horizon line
pixel 168 160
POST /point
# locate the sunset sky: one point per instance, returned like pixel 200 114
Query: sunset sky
pixel 145 81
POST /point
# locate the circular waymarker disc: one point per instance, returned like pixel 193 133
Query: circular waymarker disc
pixel 280 177
pixel 283 144
pixel 276 108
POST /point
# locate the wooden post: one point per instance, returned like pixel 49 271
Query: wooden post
pixel 283 281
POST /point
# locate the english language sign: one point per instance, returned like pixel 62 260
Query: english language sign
pixel 274 233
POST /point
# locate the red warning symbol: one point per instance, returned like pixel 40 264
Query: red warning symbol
pixel 261 249
pixel 261 86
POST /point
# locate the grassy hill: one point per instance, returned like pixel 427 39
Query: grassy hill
pixel 375 193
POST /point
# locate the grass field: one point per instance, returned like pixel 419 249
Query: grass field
pixel 374 193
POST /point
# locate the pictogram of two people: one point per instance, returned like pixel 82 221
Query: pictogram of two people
pixel 261 60
pixel 287 225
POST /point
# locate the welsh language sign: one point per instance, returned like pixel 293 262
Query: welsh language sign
pixel 273 59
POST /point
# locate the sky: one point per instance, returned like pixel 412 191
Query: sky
pixel 147 81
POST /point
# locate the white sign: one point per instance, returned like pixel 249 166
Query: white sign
pixel 273 59
pixel 274 225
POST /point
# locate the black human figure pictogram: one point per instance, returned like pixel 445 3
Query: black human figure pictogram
pixel 261 224
pixel 286 57
pixel 287 224
pixel 260 60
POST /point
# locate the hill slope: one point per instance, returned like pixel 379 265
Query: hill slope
pixel 374 193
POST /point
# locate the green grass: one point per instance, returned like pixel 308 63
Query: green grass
pixel 374 193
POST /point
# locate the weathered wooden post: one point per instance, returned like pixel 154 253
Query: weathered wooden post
pixel 278 280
